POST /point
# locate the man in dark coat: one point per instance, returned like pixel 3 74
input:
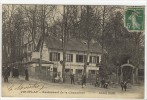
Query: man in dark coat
pixel 106 85
pixel 17 72
pixel 103 83
pixel 54 76
pixel 9 70
pixel 26 74
pixel 6 74
pixel 72 78
pixel 83 80
pixel 123 85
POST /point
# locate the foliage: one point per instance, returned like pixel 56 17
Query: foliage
pixel 102 24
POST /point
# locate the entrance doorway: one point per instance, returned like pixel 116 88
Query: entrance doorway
pixel 127 73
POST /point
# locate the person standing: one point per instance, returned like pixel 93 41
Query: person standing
pixel 6 74
pixel 72 78
pixel 125 86
pixel 83 80
pixel 103 83
pixel 122 85
pixel 26 74
pixel 9 70
pixel 16 72
pixel 106 85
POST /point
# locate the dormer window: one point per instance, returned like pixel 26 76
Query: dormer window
pixel 94 59
pixel 80 58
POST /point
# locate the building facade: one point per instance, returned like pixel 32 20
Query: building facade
pixel 52 53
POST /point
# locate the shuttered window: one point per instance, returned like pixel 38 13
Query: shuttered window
pixel 54 56
pixel 69 57
pixel 80 58
pixel 94 59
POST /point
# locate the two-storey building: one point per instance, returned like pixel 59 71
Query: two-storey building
pixel 76 51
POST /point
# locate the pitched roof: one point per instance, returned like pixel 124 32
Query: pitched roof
pixel 72 45
pixel 53 42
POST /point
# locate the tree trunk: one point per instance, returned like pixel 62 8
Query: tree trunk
pixel 64 33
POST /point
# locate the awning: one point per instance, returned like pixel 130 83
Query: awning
pixel 37 61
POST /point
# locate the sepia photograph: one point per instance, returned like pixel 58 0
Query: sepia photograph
pixel 73 51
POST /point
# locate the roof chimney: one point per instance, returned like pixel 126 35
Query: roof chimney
pixel 128 61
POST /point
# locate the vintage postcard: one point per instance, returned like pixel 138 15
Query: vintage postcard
pixel 73 51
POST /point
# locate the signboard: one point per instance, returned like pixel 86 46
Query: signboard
pixel 36 55
pixel 134 19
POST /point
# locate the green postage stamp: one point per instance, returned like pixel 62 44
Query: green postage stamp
pixel 134 19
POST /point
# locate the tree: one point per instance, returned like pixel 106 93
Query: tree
pixel 12 39
pixel 89 27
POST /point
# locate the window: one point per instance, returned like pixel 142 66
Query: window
pixel 92 71
pixel 94 59
pixel 54 56
pixel 68 71
pixel 80 58
pixel 79 71
pixel 69 57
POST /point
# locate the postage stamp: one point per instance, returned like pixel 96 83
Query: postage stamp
pixel 134 19
pixel 73 51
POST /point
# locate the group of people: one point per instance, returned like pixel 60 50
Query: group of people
pixel 104 83
pixel 83 80
pixel 15 73
pixel 124 84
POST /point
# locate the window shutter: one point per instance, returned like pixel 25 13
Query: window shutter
pixel 90 60
pixel 71 57
pixel 58 56
pixel 85 58
pixel 97 59
pixel 76 58
pixel 50 56
pixel 66 57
